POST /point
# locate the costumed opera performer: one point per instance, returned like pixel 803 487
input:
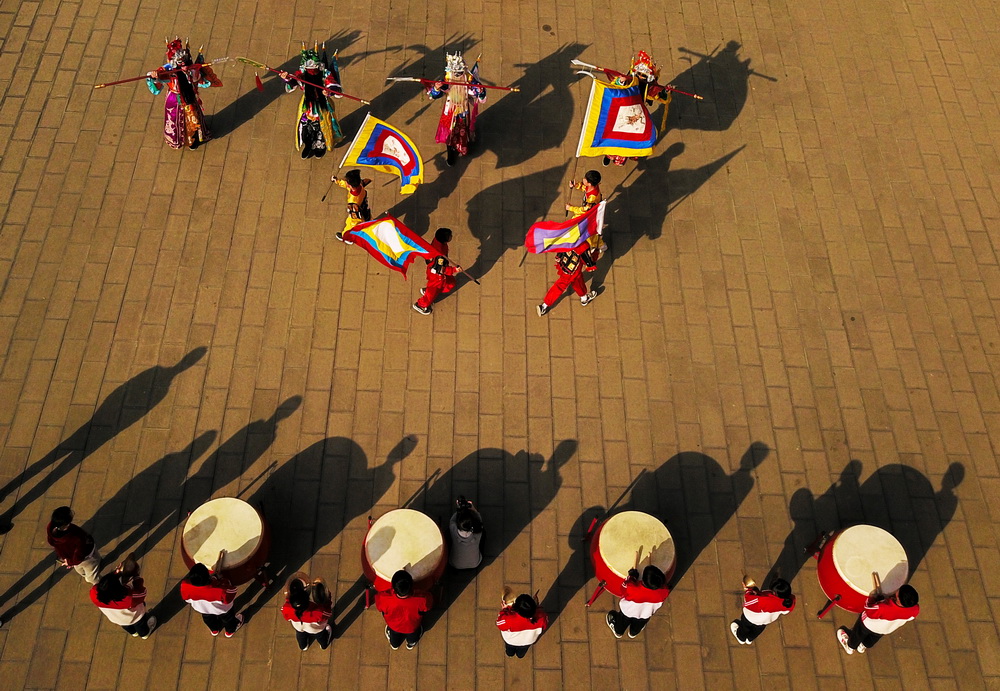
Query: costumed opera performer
pixel 183 119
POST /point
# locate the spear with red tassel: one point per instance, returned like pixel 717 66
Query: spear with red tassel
pixel 159 72
pixel 329 90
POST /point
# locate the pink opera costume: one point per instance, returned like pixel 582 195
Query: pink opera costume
pixel 317 129
pixel 183 118
pixel 457 126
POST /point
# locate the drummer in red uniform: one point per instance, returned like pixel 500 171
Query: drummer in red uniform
pixel 403 608
pixel 762 607
pixel 521 624
pixel 211 595
pixel 641 600
pixel 308 608
pixel 882 615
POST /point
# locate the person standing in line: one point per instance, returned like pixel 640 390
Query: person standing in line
pixel 760 608
pixel 440 272
pixel 309 608
pixel 466 531
pixel 211 595
pixel 882 615
pixel 73 545
pixel 403 608
pixel 521 623
pixel 121 596
pixel 641 600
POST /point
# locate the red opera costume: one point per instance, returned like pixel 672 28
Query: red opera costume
pixel 440 275
pixel 570 267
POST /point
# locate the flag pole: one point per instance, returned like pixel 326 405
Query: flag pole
pixel 354 141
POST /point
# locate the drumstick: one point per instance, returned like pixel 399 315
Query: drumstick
pixel 877 582
pixel 638 558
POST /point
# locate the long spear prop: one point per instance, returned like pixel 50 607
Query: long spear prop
pixel 667 87
pixel 464 272
pixel 179 69
pixel 439 81
pixel 326 89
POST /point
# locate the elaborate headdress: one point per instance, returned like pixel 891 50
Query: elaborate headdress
pixel 309 59
pixel 455 64
pixel 178 53
pixel 643 67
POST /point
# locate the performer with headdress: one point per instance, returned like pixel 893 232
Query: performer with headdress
pixel 317 129
pixel 644 71
pixel 184 120
pixel 457 126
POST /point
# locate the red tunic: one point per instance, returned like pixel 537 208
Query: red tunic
pixel 403 614
pixel 73 544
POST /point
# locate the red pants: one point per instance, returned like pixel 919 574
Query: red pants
pixel 436 284
pixel 564 281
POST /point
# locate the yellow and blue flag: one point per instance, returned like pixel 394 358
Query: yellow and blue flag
pixel 552 236
pixel 381 146
pixel 617 122
pixel 390 242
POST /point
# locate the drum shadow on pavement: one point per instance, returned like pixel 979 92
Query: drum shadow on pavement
pixel 509 490
pixel 309 500
pixel 123 407
pixel 156 500
pixel 897 498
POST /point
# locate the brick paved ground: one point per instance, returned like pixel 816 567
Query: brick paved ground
pixel 810 265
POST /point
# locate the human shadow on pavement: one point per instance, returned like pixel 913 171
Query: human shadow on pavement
pixel 897 498
pixel 308 500
pixel 722 79
pixel 500 215
pixel 123 407
pixel 575 573
pixel 519 125
pixel 245 107
pixel 509 490
pixel 156 500
pixel 646 202
pixel 429 65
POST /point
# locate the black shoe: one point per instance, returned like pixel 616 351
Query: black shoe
pixel 542 309
pixel 606 162
pixel 611 624
pixel 452 157
pixel 306 152
pixel 422 310
pixel 320 153
pixel 389 638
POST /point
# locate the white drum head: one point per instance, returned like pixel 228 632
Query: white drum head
pixel 226 523
pixel 625 533
pixel 861 550
pixel 404 539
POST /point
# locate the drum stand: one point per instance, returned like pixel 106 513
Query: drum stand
pixel 814 550
pixel 601 586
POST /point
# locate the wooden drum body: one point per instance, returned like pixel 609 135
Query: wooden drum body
pixel 617 542
pixel 404 539
pixel 230 524
pixel 848 559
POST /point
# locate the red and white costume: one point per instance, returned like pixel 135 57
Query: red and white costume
pixel 127 611
pixel 640 602
pixel 313 620
pixel 764 607
pixel 519 631
pixel 403 614
pixel 216 598
pixel 887 616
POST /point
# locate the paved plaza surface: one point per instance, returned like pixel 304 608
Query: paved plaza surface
pixel 796 331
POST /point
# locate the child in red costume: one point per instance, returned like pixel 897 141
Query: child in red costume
pixel 881 616
pixel 762 607
pixel 570 265
pixel 641 600
pixel 121 597
pixel 308 608
pixel 212 595
pixel 521 624
pixel 404 609
pixel 440 273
